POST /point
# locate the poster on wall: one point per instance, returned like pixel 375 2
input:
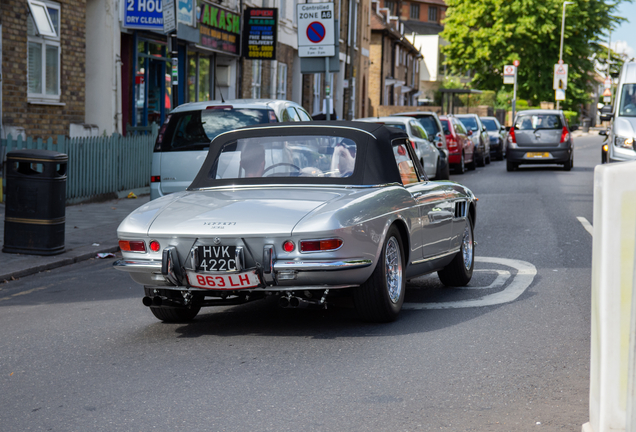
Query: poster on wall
pixel 219 28
pixel 143 15
pixel 260 33
pixel 185 12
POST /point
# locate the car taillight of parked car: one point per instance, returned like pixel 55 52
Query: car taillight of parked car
pixel 511 136
pixel 412 144
pixel 451 142
pixel 565 135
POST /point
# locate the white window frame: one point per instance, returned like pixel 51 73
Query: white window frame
pixel 317 94
pixel 41 18
pixel 281 81
pixel 45 38
pixel 256 78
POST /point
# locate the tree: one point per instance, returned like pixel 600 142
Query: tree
pixel 485 35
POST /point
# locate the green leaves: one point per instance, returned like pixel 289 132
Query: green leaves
pixel 485 35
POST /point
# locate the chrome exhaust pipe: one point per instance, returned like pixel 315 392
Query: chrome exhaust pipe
pixel 156 301
pixel 283 302
pixel 147 301
pixel 294 302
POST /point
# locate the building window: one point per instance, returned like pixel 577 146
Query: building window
pixel 389 4
pixel 317 94
pixel 43 52
pixel 281 85
pixel 415 11
pixel 256 79
pixel 432 13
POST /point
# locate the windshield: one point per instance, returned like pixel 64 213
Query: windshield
pixel 194 130
pixel 628 100
pixel 290 156
pixel 469 122
pixel 429 124
pixel 538 121
pixel 491 125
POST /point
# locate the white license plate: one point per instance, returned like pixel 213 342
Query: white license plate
pixel 224 281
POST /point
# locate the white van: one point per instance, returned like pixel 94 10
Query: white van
pixel 184 139
pixel 622 131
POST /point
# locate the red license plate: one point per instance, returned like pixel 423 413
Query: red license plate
pixel 223 281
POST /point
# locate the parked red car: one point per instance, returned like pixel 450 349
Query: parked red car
pixel 461 149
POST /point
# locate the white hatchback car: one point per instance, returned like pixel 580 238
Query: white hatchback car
pixel 185 136
pixel 433 160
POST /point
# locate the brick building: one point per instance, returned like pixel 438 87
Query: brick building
pixel 43 66
pixel 394 69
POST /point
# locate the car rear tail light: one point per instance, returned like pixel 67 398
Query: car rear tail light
pixel 132 245
pixel 412 144
pixel 155 179
pixel 219 107
pixel 451 142
pixel 565 135
pixel 155 246
pixel 511 136
pixel 289 246
pixel 320 245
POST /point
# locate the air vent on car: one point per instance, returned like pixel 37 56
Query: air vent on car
pixel 460 209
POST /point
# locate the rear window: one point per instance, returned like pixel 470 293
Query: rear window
pixel 429 124
pixel 490 124
pixel 193 130
pixel 289 156
pixel 469 122
pixel 445 127
pixel 538 121
pixel 400 126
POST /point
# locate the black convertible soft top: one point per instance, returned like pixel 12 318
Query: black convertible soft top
pixel 375 162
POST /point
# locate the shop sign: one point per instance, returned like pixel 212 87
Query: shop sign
pixel 220 29
pixel 143 15
pixel 260 33
pixel 185 12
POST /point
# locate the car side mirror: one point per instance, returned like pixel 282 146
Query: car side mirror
pixel 503 128
pixel 607 117
pixel 602 132
pixel 469 133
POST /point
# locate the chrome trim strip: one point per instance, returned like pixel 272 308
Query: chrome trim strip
pixel 148 266
pixel 303 127
pixel 296 185
pixel 273 288
pixel 436 256
pixel 315 265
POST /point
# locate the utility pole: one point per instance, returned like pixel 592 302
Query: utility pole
pixel 565 3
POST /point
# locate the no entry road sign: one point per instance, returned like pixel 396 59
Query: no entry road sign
pixel 316 36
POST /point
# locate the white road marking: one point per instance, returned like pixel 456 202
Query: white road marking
pixel 520 282
pixel 588 226
pixel 502 277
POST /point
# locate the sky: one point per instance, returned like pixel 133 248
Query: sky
pixel 624 38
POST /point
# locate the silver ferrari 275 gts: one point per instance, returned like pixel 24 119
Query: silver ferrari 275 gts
pixel 305 212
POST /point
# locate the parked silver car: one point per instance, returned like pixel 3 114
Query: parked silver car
pixel 303 213
pixel 540 137
pixel 434 160
pixel 184 138
pixel 478 133
pixel 497 136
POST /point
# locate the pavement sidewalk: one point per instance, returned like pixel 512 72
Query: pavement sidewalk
pixel 90 229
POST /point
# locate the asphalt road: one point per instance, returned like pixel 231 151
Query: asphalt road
pixel 79 351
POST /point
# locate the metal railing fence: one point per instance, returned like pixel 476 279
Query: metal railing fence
pixel 97 166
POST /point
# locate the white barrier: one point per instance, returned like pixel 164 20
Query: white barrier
pixel 613 344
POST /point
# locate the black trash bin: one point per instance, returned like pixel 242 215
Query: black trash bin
pixel 35 209
pixel 585 125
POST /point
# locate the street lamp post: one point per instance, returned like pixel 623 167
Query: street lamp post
pixel 565 3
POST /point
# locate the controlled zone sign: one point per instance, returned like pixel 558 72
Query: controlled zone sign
pixel 316 36
pixel 509 73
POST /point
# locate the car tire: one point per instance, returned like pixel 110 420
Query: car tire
pixel 460 168
pixel 511 166
pixel 481 159
pixel 442 172
pixel 488 160
pixel 460 270
pixel 569 164
pixel 380 298
pixel 500 153
pixel 175 315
